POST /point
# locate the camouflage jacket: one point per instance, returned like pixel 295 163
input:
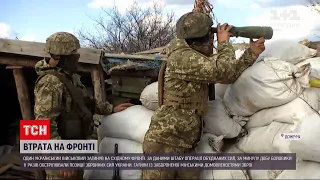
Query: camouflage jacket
pixel 51 95
pixel 187 71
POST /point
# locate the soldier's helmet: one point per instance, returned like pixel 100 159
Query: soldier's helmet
pixel 62 43
pixel 193 25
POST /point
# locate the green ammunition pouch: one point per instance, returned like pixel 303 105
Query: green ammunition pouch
pixel 197 100
pixel 78 122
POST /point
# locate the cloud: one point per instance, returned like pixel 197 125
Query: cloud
pixel 108 4
pixel 5 30
pixel 28 37
pixel 261 3
pixel 280 3
pixel 178 6
pixel 292 22
pixel 70 31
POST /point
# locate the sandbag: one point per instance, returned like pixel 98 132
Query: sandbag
pixel 131 124
pixel 220 89
pixel 315 67
pixel 149 96
pixel 296 109
pixel 239 53
pixel 266 139
pixel 305 170
pixel 218 120
pixel 308 146
pixel 107 146
pixel 286 50
pixel 266 84
pixel 212 144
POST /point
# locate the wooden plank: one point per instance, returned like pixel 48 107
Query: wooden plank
pixel 36 49
pixel 152 51
pixel 22 61
pixel 103 86
pixel 97 84
pixel 133 56
pixel 14 67
pixel 23 94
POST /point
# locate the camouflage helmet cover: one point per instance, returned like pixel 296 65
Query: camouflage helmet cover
pixel 62 43
pixel 193 25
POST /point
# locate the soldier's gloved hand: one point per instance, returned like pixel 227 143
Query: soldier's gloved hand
pixel 122 107
pixel 257 47
pixel 223 33
pixel 67 174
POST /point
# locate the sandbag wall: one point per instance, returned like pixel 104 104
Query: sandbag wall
pixel 269 99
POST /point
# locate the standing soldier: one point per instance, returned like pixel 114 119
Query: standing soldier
pixel 176 126
pixel 61 97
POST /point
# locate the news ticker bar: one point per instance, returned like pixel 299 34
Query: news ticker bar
pixel 221 161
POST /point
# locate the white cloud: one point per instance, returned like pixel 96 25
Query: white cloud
pixel 28 37
pixel 177 6
pixel 5 30
pixel 293 22
pixel 70 31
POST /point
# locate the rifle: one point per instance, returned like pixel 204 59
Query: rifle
pixel 253 32
pixel 116 172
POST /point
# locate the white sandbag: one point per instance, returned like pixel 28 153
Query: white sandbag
pixel 315 67
pixel 308 146
pixel 149 96
pixel 304 170
pixel 239 53
pixel 131 124
pixel 205 146
pixel 266 139
pixel 266 84
pixel 286 50
pixel 220 89
pixel 296 109
pixel 107 146
pixel 218 121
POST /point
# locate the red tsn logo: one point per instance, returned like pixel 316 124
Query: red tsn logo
pixel 34 130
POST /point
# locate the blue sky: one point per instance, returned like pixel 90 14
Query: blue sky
pixel 35 20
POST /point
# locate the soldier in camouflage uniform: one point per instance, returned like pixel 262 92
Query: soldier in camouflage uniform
pixel 176 127
pixel 53 99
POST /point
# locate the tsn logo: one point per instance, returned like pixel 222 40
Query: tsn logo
pixel 34 130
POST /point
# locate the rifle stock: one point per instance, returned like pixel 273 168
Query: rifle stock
pixel 116 172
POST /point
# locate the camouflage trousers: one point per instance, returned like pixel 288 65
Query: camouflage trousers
pixel 54 175
pixel 159 174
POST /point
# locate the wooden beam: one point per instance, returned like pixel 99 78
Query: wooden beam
pixel 25 62
pixel 23 94
pixel 14 67
pixel 103 86
pixel 135 56
pixel 36 49
pixel 97 85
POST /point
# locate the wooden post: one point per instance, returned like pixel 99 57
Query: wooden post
pixel 99 88
pixel 98 85
pixel 23 93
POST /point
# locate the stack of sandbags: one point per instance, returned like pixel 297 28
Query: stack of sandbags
pixel 107 146
pixel 266 84
pixel 286 50
pixel 149 95
pixel 307 149
pixel 212 144
pixel 220 122
pixel 131 124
